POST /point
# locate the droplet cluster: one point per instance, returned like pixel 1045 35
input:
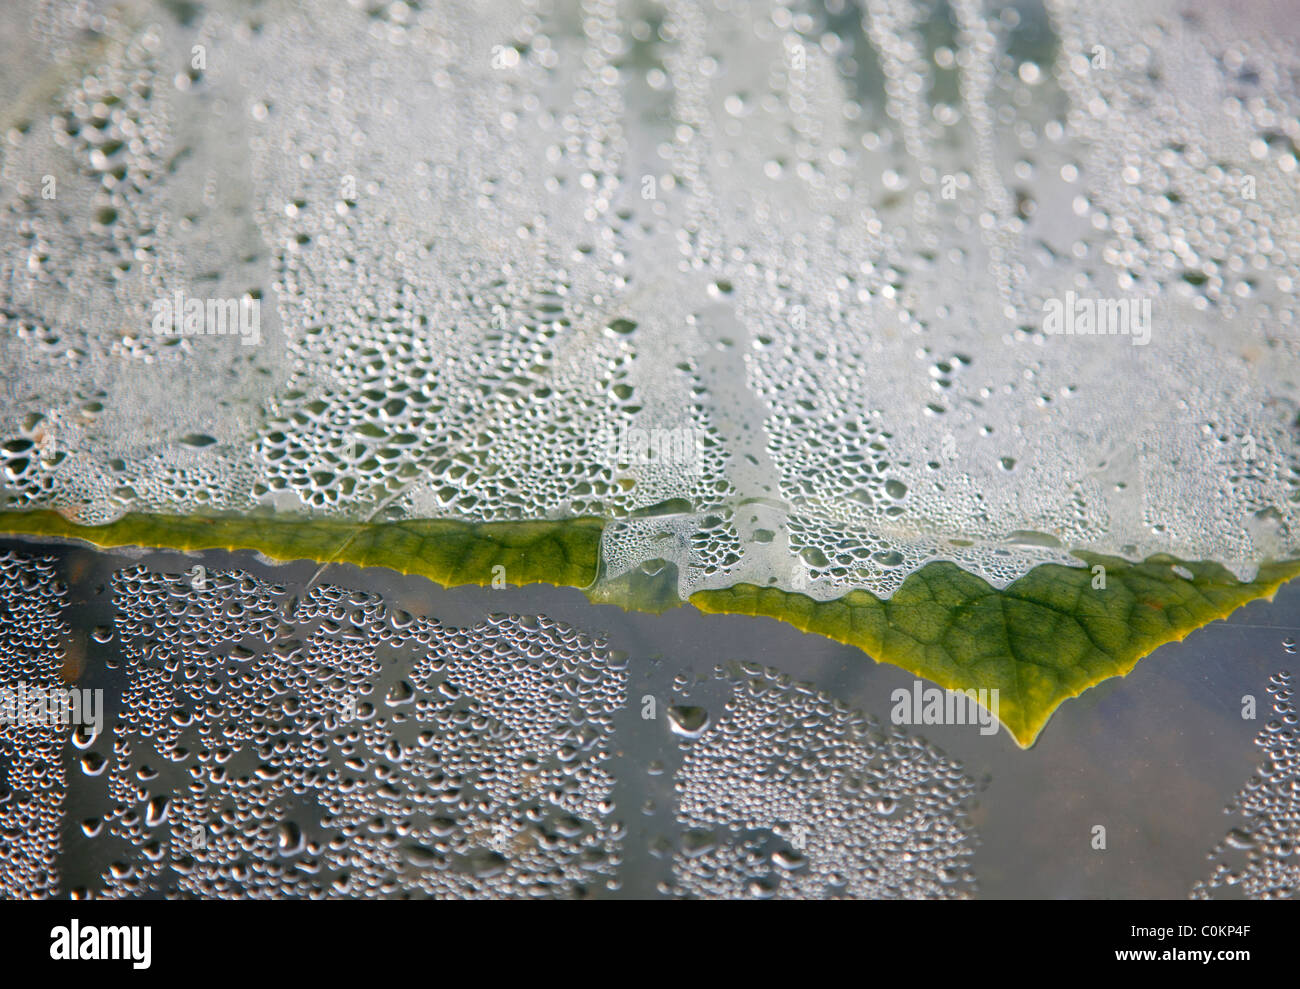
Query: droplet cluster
pixel 788 793
pixel 1259 859
pixel 493 242
pixel 329 746
pixel 33 780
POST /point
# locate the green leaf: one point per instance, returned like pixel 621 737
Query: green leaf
pixel 446 551
pixel 1043 639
